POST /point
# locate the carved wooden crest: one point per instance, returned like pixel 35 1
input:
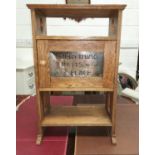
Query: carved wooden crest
pixel 77 19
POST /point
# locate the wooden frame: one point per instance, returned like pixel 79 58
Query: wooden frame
pixel 90 115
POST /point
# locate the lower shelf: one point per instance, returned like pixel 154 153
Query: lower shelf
pixel 80 115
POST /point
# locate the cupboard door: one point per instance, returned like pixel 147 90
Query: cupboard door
pixel 76 64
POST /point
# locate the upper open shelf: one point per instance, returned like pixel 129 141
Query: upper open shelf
pixel 42 12
pixel 71 11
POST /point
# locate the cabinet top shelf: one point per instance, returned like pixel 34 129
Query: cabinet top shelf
pixel 50 10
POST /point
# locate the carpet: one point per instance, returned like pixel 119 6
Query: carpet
pixel 55 139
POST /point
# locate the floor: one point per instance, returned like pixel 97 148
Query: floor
pixel 56 139
pixel 92 140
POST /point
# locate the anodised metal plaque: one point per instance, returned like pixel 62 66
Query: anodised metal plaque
pixel 76 64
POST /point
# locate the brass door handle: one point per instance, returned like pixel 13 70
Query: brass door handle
pixel 42 62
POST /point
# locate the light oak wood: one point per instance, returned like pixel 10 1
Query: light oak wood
pixel 114 94
pixel 71 38
pixel 39 139
pixel 77 12
pixel 77 116
pixel 108 103
pixel 91 7
pixel 35 55
pixel 113 26
pixel 44 74
pixel 76 89
pixel 41 28
pixel 114 140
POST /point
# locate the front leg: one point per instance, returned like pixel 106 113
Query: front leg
pixel 39 136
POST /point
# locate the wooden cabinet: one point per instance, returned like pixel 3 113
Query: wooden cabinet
pixel 71 63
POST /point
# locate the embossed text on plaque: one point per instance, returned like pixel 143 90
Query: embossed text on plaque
pixel 76 64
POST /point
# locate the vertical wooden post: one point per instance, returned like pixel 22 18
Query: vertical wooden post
pixel 108 102
pixel 113 26
pixel 46 101
pixel 114 94
pixel 38 27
